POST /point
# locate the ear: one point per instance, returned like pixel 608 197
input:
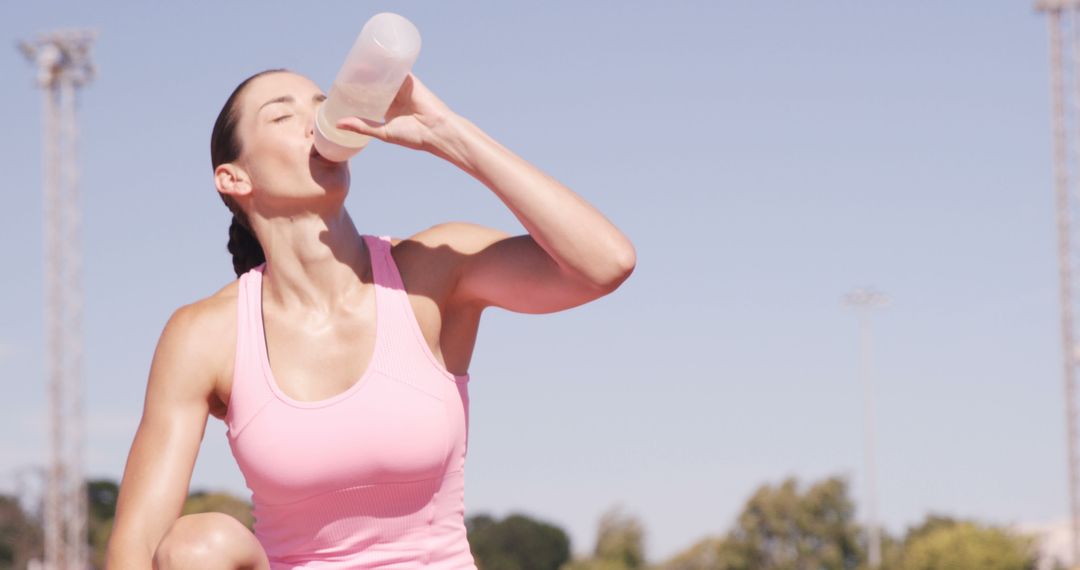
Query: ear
pixel 231 179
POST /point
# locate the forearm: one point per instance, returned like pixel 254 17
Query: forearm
pixel 127 552
pixel 574 234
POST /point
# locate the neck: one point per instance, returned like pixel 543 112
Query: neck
pixel 314 261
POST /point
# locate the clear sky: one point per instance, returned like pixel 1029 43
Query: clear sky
pixel 765 158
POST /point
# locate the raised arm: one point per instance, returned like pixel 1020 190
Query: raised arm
pixel 162 456
pixel 572 253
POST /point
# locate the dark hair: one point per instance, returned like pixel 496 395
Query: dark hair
pixel 225 147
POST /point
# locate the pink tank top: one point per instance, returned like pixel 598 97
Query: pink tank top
pixel 372 477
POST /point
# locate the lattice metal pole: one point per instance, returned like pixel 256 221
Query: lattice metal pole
pixel 63 63
pixel 76 513
pixel 863 301
pixel 1061 139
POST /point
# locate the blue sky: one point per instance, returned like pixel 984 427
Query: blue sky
pixel 764 158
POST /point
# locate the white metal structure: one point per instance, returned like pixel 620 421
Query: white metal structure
pixel 863 301
pixel 1062 20
pixel 63 65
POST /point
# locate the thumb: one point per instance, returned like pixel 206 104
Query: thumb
pixel 363 126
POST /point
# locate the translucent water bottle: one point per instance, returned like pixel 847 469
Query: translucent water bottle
pixel 367 82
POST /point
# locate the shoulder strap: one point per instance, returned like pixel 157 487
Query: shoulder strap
pixel 249 392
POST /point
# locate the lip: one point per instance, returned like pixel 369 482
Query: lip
pixel 315 154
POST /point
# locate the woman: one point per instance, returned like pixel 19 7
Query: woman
pixel 338 360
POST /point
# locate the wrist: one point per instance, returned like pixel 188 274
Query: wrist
pixel 451 139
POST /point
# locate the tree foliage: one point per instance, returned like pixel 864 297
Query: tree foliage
pixel 709 553
pixel 101 495
pixel 942 543
pixel 783 528
pixel 620 538
pixel 517 542
pixel 21 538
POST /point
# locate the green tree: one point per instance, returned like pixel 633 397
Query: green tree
pixel 101 497
pixel 782 527
pixel 709 553
pixel 942 543
pixel 517 542
pixel 620 539
pixel 21 538
pixel 620 544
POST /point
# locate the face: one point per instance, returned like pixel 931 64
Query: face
pixel 277 165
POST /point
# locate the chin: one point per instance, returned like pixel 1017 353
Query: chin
pixel 332 182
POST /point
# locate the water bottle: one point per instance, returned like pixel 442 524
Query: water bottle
pixel 367 82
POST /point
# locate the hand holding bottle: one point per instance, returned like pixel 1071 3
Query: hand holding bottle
pixel 413 120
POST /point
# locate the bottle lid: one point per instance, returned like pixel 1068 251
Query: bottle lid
pixel 331 150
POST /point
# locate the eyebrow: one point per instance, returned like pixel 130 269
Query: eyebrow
pixel 289 99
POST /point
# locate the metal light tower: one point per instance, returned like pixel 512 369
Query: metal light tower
pixel 1065 136
pixel 63 64
pixel 863 301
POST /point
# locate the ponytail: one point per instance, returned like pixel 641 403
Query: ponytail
pixel 244 247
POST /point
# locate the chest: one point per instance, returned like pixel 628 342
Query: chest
pixel 316 358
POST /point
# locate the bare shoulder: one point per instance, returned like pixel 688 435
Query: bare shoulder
pixel 456 238
pixel 433 257
pixel 448 244
pixel 205 330
pixel 215 311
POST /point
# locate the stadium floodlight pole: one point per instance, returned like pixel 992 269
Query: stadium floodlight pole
pixel 63 63
pixel 863 301
pixel 1055 10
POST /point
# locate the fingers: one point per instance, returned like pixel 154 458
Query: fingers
pixel 363 126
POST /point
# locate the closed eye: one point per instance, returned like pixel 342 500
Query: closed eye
pixel 279 119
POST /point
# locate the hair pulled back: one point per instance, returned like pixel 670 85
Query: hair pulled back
pixel 225 147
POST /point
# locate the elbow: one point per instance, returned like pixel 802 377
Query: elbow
pixel 627 261
pixel 622 268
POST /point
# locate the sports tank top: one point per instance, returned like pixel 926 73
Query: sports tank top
pixel 372 477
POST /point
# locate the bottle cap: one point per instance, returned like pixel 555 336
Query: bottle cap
pixel 331 150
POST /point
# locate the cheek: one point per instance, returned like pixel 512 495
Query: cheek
pixel 275 155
